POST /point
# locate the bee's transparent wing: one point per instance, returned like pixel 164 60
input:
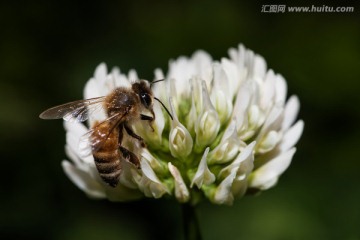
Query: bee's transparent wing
pixel 94 139
pixel 77 111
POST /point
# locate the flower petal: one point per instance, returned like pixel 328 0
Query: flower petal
pixel 83 180
pixel 281 89
pixel 100 73
pixel 148 182
pixel 148 172
pixel 268 90
pixel 223 193
pixel 132 76
pixel 183 68
pixel 180 140
pixel 239 187
pixel 228 147
pixel 257 67
pixel 292 136
pixel 208 123
pixel 245 154
pixel 272 123
pixel 120 80
pixel 196 105
pixel 91 89
pixel 159 74
pixel 222 105
pixel 241 106
pixel 203 174
pixel 95 87
pixel 266 176
pixel 181 192
pixel 291 111
pixel 233 75
pixel 268 142
pixel 74 132
pixel 157 165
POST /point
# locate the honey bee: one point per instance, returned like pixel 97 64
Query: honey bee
pixel 123 106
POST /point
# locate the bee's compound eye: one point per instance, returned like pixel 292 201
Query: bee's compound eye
pixel 145 99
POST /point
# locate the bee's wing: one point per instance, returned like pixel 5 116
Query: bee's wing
pixel 77 111
pixel 94 139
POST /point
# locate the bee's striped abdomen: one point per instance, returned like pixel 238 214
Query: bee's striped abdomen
pixel 107 157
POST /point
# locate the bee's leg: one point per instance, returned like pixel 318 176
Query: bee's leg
pixel 147 118
pixel 131 133
pixel 130 157
pixel 121 126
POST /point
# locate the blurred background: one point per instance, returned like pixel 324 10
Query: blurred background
pixel 49 49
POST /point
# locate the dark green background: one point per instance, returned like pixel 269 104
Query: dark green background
pixel 50 49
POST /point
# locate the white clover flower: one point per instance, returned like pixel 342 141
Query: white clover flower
pixel 232 131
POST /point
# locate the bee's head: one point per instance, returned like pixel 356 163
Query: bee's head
pixel 143 90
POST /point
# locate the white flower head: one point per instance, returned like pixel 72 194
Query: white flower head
pixel 231 131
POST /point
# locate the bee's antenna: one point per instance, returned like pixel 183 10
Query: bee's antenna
pixel 160 80
pixel 162 103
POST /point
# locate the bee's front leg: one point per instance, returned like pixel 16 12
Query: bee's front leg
pixel 148 118
pixel 134 135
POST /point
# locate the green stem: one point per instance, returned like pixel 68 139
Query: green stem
pixel 190 222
